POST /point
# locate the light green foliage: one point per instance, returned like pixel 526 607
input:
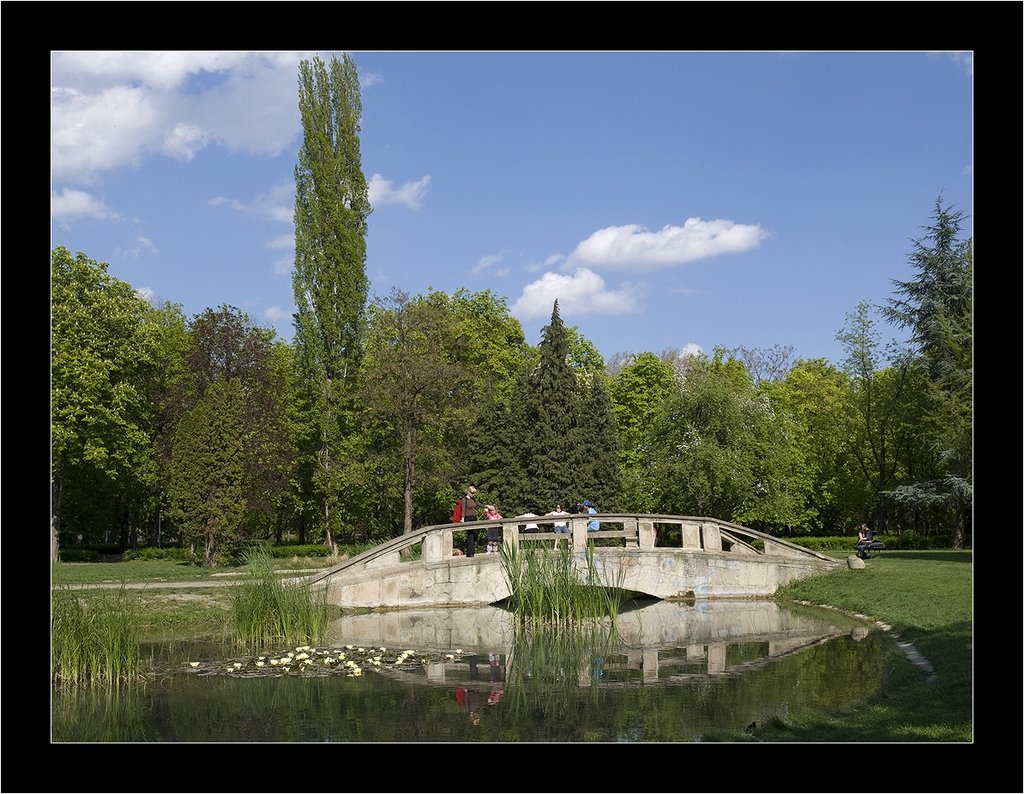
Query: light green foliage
pixel 878 410
pixel 493 345
pixel 206 488
pixel 637 394
pixel 330 283
pixel 721 450
pixel 415 386
pixel 813 395
pixel 103 351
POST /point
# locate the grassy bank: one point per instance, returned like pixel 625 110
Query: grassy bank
pixel 926 598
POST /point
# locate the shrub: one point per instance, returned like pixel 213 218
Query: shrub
pixel 175 553
pixel 78 555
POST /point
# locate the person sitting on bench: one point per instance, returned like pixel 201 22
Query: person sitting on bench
pixel 864 539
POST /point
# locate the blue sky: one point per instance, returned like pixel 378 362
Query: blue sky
pixel 666 199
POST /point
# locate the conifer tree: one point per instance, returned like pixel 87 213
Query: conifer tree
pixel 550 411
pixel 599 444
pixel 937 307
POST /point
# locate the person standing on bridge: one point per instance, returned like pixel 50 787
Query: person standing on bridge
pixel 561 527
pixel 593 524
pixel 470 507
pixel 493 533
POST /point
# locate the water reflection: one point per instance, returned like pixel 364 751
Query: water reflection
pixel 663 672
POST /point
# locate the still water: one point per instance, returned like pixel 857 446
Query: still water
pixel 665 672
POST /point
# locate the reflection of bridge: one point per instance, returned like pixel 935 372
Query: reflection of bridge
pixel 664 642
pixel 713 559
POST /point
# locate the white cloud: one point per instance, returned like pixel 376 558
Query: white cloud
pixel 366 79
pixel 411 194
pixel 283 265
pixel 70 203
pixel 111 109
pixel 583 292
pixel 147 295
pixel 632 247
pixel 553 260
pixel 184 141
pixel 277 204
pixel 284 241
pixel 691 349
pixel 485 262
pixel 276 314
pixel 968 170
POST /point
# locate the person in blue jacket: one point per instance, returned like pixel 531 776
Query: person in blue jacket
pixel 593 524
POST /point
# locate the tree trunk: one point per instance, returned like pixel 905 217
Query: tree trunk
pixel 410 470
pixel 56 497
pixel 958 529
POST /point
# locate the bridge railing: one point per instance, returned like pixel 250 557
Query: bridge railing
pixel 643 532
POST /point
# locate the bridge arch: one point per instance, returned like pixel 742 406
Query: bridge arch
pixel 713 559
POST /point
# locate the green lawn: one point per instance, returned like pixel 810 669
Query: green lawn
pixel 927 599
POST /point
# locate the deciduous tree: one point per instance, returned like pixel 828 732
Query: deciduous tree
pixel 330 284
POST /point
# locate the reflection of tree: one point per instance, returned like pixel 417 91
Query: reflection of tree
pixel 550 695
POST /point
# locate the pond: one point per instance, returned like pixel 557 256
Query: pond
pixel 666 672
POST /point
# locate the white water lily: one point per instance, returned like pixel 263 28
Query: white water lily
pixel 193 664
pixel 302 655
pixel 260 663
pixel 458 651
pixel 275 662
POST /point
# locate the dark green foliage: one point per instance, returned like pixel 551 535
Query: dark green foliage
pixel 599 468
pixel 206 489
pixel 549 409
pixel 155 553
pixel 937 307
pixel 79 555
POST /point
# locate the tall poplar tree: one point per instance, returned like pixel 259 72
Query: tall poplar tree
pixel 331 210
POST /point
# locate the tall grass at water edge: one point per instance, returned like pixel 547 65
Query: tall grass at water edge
pixel 554 587
pixel 98 643
pixel 265 608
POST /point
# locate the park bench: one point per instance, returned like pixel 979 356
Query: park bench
pixel 864 547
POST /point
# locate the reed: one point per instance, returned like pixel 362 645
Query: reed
pixel 264 608
pixel 95 644
pixel 558 586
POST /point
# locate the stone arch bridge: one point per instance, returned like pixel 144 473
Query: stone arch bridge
pixel 709 558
